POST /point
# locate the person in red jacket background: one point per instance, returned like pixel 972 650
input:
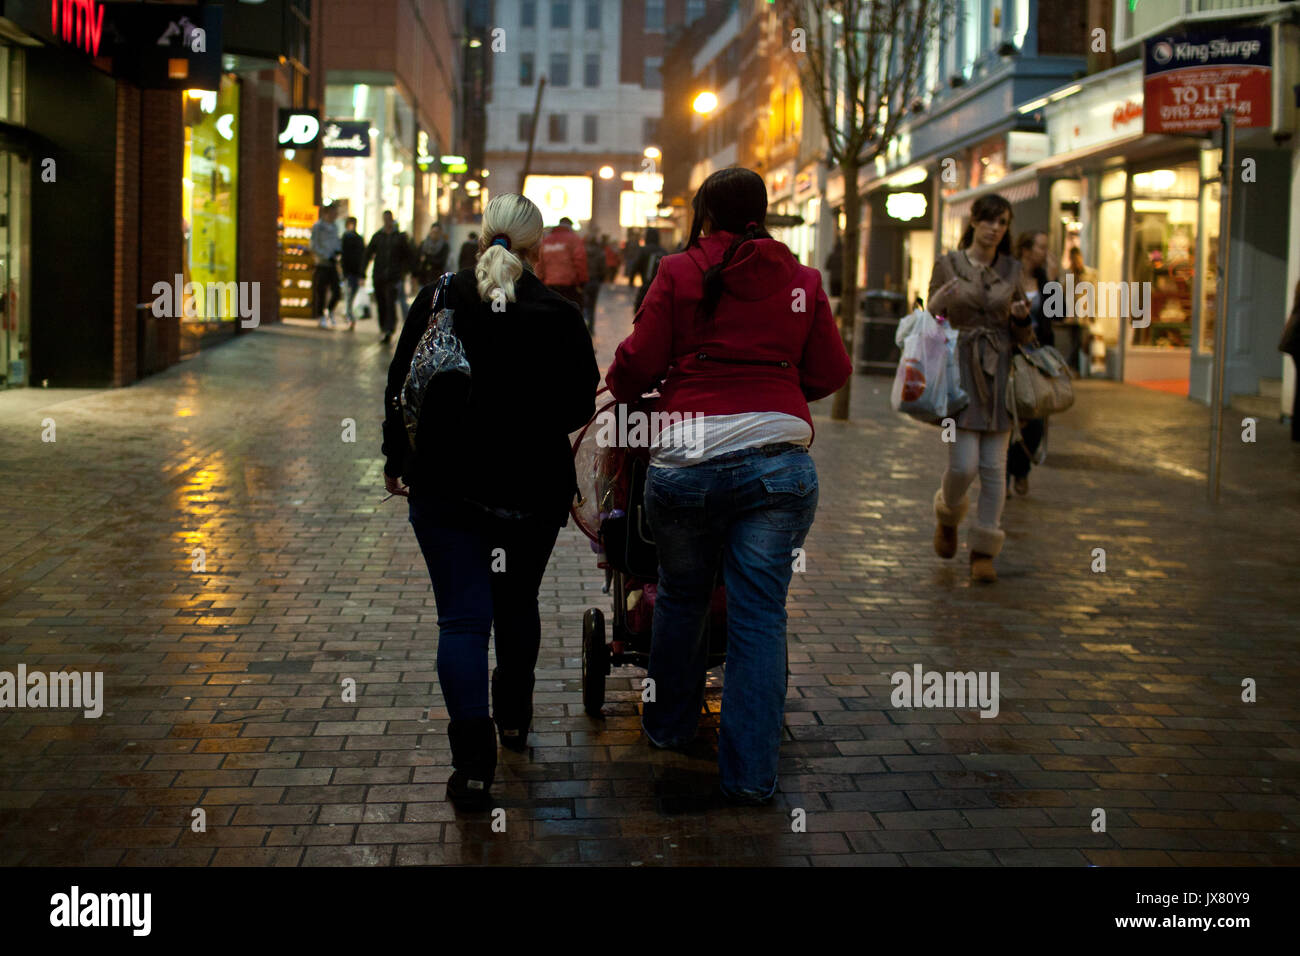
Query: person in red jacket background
pixel 738 337
pixel 563 264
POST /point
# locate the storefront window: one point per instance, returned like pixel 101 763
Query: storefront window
pixel 209 198
pixel 1064 230
pixel 1208 253
pixel 1113 184
pixel 1163 250
pixel 1110 260
pixel 15 204
pixel 15 201
pixel 368 185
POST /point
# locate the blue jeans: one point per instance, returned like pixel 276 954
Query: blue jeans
pixel 352 284
pixel 476 589
pixel 744 512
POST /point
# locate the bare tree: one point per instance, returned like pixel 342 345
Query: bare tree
pixel 861 63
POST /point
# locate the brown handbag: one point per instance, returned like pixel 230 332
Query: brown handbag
pixel 1039 384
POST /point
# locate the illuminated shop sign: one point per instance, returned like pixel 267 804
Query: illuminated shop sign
pixel 299 129
pixel 79 23
pixel 154 46
pixel 905 206
pixel 346 138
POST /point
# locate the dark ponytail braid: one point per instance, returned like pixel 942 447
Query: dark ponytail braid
pixel 713 275
pixel 734 200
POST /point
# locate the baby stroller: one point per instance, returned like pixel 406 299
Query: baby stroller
pixel 610 510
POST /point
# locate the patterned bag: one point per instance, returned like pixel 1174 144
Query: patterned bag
pixel 439 352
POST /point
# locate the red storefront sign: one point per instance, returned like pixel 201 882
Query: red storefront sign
pixel 78 22
pixel 1189 81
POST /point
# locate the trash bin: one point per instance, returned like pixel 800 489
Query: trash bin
pixel 881 310
pixel 147 359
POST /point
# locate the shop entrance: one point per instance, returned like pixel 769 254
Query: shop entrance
pixel 14 327
pixel 1162 261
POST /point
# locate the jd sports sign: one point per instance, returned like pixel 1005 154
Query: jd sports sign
pixel 299 129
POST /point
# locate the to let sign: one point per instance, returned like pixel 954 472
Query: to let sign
pixel 1190 80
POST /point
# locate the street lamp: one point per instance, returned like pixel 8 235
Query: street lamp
pixel 705 102
pixel 607 172
pixel 652 152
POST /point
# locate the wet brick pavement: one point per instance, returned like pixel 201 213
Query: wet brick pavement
pixel 1119 690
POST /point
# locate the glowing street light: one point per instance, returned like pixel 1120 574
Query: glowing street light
pixel 607 172
pixel 706 102
pixel 652 152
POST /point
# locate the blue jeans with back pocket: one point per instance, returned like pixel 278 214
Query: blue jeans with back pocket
pixel 744 513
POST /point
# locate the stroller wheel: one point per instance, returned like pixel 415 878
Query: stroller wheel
pixel 595 661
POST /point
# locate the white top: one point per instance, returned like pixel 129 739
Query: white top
pixel 702 437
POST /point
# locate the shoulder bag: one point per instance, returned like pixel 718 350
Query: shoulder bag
pixel 1039 384
pixel 439 352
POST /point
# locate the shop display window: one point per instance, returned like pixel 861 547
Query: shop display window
pixel 1208 255
pixel 209 195
pixel 1162 251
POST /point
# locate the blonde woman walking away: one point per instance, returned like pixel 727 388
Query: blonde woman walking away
pixel 492 476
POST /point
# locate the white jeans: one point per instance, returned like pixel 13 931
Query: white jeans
pixel 984 453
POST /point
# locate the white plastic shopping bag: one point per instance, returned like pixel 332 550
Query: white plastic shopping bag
pixel 361 302
pixel 927 385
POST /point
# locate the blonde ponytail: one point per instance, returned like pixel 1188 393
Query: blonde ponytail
pixel 509 219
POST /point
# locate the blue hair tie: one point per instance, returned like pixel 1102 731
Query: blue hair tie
pixel 501 239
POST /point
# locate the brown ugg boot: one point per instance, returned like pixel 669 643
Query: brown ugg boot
pixel 985 545
pixel 946 521
pixel 981 568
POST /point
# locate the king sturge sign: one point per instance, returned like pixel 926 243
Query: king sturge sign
pixel 1190 80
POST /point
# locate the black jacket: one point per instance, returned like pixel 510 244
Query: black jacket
pixel 502 438
pixel 354 254
pixel 392 254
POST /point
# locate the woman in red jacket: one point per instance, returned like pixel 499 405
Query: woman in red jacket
pixel 741 338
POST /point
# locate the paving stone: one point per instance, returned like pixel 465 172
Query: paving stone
pixel 1118 690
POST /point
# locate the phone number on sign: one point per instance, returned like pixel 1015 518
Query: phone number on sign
pixel 1201 110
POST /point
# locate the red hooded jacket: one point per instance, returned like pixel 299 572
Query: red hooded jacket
pixel 564 258
pixel 773 313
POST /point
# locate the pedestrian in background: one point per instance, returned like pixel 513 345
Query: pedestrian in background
pixel 469 503
pixel 977 288
pixel 591 291
pixel 1078 329
pixel 391 252
pixel 647 263
pixel 563 262
pixel 433 255
pixel 353 257
pixel 631 249
pixel 736 489
pixel 611 259
pixel 835 266
pixel 325 246
pixel 1031 251
pixel 468 253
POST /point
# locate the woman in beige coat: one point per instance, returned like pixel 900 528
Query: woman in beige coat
pixel 978 289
